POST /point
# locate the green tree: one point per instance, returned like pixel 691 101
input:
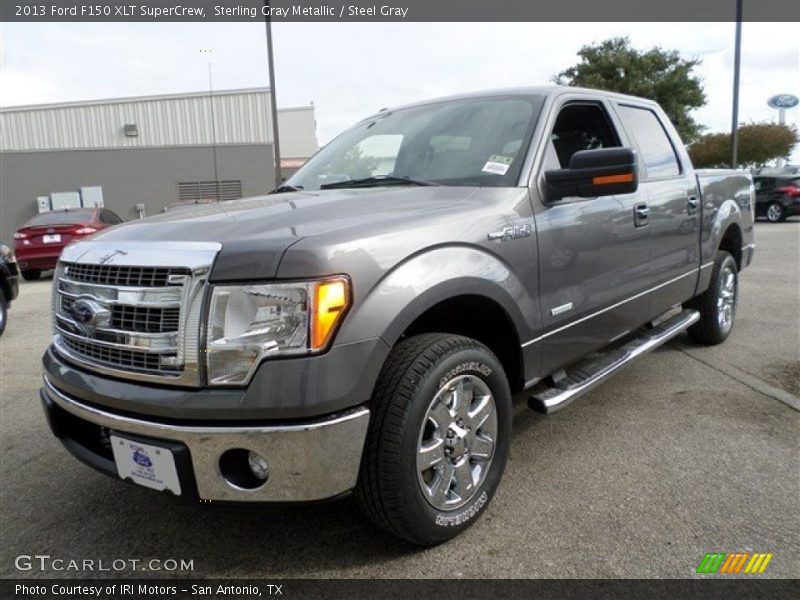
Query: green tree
pixel 658 74
pixel 759 143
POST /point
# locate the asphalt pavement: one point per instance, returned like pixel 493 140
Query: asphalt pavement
pixel 688 451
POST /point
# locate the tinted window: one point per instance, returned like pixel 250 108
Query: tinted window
pixel 762 184
pixel 581 127
pixel 110 218
pixel 61 217
pixel 654 145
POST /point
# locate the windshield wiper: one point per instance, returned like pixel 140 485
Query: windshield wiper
pixel 376 181
pixel 286 188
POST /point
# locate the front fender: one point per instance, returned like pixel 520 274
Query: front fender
pixel 429 278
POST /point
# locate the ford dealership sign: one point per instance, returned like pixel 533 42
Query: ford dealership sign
pixel 783 101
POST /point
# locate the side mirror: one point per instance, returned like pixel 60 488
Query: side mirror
pixel 592 173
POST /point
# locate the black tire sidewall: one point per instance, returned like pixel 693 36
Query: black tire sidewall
pixel 440 525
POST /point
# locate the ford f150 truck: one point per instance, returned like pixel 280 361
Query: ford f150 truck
pixel 363 327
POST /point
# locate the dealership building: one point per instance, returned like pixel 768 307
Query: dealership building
pixel 141 156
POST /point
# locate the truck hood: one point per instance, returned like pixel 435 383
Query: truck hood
pixel 255 232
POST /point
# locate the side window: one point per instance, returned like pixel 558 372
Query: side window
pixel 112 218
pixel 581 127
pixel 764 185
pixel 654 144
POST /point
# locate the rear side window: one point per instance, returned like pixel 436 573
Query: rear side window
pixel 654 144
pixel 762 184
pixel 109 218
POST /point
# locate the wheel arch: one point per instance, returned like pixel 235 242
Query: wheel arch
pixel 480 318
pixel 731 242
pixel 461 290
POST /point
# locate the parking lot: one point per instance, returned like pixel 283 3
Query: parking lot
pixel 690 450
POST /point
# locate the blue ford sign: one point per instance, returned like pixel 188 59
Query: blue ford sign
pixel 783 101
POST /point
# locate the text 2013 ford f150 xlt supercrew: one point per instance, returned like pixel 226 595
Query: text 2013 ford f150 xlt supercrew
pixel 365 326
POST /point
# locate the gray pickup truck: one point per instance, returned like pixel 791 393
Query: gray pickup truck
pixel 363 327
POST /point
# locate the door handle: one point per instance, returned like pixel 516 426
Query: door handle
pixel 691 204
pixel 640 214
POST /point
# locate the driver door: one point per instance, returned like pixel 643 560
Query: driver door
pixel 594 254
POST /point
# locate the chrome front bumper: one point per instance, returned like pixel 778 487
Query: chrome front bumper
pixel 309 461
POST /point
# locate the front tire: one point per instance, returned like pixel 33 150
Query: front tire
pixel 438 439
pixel 32 274
pixel 776 213
pixel 717 305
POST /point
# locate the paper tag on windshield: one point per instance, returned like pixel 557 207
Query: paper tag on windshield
pixel 497 164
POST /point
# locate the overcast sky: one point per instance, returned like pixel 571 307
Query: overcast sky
pixel 349 70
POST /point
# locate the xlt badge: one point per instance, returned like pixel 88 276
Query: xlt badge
pixel 511 232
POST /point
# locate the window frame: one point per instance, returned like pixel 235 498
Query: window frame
pixel 644 172
pixel 536 180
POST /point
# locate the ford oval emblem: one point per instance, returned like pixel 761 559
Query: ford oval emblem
pixel 783 101
pixel 140 458
pixel 82 311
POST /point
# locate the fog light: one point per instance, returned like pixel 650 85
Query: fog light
pixel 258 466
pixel 243 469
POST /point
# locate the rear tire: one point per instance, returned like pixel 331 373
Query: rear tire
pixel 717 305
pixel 32 274
pixel 438 439
pixel 776 213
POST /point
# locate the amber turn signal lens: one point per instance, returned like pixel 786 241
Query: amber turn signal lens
pixel 609 179
pixel 330 301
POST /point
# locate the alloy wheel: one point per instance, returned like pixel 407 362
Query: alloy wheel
pixel 726 299
pixel 456 442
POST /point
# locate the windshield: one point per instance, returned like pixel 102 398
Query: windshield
pixel 474 142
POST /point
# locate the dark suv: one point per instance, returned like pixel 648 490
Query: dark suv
pixel 777 197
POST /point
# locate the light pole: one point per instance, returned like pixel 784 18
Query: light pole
pixel 276 145
pixel 213 127
pixel 737 58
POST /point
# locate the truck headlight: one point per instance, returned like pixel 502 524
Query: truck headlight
pixel 247 323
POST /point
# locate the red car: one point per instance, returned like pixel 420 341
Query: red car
pixel 39 242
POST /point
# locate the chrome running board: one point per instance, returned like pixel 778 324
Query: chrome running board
pixel 583 376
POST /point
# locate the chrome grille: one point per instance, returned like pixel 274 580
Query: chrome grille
pixel 116 357
pixel 146 319
pixel 128 276
pixel 139 319
pixel 143 319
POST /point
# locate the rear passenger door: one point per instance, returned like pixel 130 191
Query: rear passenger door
pixel 667 181
pixel 594 253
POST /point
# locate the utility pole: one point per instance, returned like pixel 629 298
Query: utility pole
pixel 213 125
pixel 213 131
pixel 737 59
pixel 276 145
